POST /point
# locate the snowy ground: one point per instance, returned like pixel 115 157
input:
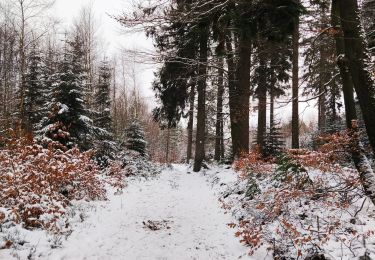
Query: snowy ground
pixel 173 216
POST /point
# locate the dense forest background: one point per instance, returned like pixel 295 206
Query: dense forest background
pixel 286 61
pixel 233 80
pixel 51 74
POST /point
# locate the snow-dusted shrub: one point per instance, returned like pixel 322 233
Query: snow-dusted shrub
pixel 105 152
pixel 135 164
pixel 317 207
pixel 288 168
pixel 37 184
pixel 252 166
pixel 253 163
pixel 135 138
pixel 115 175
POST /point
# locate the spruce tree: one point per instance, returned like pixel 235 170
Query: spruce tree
pixel 322 72
pixel 274 141
pixel 67 122
pixel 102 98
pixel 50 74
pixel 105 146
pixel 135 138
pixel 272 67
pixel 35 94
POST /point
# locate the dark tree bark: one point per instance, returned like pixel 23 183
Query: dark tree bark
pixel 322 108
pixel 356 54
pixel 190 124
pixel 347 83
pixel 242 113
pixel 22 49
pixel 295 88
pixel 360 160
pixel 222 148
pixel 232 91
pixel 239 84
pixel 272 108
pixel 262 99
pixel 219 139
pixel 201 117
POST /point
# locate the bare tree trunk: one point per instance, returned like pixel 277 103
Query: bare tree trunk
pixel 360 160
pixel 23 123
pixel 222 148
pixel 190 124
pixel 219 112
pixel 241 99
pixel 201 117
pixel 295 88
pixel 362 163
pixel 232 91
pixel 347 83
pixel 272 108
pixel 2 39
pixel 114 103
pixel 28 11
pixel 9 72
pixel 322 108
pixel 358 60
pixel 85 27
pixel 262 99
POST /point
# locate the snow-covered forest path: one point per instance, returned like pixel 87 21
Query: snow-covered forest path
pixel 182 207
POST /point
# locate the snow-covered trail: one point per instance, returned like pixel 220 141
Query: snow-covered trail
pixel 193 225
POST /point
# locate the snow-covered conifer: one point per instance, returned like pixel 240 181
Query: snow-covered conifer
pixel 35 94
pixel 135 138
pixel 102 98
pixel 67 120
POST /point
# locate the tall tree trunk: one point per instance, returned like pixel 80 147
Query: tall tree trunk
pixel 322 119
pixel 201 117
pixel 342 62
pixel 219 111
pixel 222 148
pixel 190 124
pixel 356 53
pixel 332 103
pixel 295 88
pixel 114 103
pixel 242 98
pixel 272 108
pixel 22 43
pixel 232 90
pixel 322 107
pixel 262 99
pixel 360 160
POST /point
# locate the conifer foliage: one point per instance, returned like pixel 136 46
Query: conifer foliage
pixel 102 98
pixel 218 60
pixel 274 141
pixel 135 138
pixel 35 93
pixel 67 121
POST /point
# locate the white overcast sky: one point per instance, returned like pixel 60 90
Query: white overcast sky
pixel 109 29
pixel 114 39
